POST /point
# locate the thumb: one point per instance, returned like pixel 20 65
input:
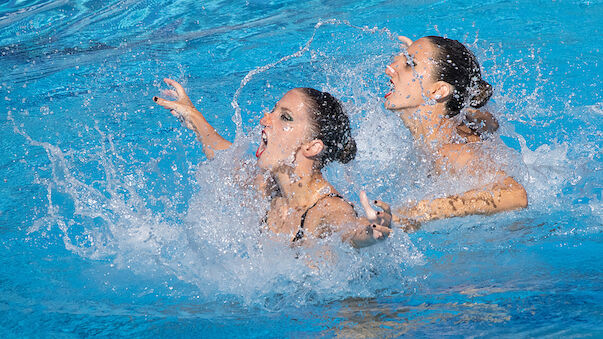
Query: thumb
pixel 166 103
pixel 371 214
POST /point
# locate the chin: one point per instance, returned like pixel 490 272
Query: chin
pixel 262 164
pixel 388 105
pixel 266 165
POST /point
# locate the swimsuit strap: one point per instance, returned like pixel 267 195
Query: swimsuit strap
pixel 300 234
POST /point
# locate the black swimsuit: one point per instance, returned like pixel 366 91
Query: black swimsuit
pixel 300 234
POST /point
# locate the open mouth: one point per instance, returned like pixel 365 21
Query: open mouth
pixel 262 146
pixel 391 85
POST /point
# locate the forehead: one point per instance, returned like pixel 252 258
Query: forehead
pixel 294 101
pixel 421 50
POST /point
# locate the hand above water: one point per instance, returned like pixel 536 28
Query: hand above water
pixel 182 107
pixel 380 226
pixel 185 111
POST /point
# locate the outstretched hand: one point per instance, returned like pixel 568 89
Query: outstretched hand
pixel 380 226
pixel 185 111
pixel 182 107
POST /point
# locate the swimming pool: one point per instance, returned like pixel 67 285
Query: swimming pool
pixel 113 224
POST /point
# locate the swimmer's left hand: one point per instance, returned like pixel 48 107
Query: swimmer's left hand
pixel 481 121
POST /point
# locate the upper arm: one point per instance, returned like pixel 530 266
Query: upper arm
pixel 330 215
pixel 496 193
pixel 503 195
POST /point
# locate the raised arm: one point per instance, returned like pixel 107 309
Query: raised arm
pixel 502 196
pixel 183 109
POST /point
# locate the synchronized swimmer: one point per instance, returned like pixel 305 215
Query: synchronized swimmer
pixel 434 80
pixel 306 130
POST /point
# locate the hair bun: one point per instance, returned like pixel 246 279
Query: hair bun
pixel 331 125
pixel 483 92
pixel 348 151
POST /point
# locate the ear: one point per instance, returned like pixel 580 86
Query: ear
pixel 312 148
pixel 440 91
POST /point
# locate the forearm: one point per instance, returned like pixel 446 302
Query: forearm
pixel 184 109
pixel 504 196
pixel 211 140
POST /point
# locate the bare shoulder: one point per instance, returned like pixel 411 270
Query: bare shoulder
pixel 461 156
pixel 329 213
pixel 468 148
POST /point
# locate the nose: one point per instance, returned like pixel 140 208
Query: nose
pixel 389 70
pixel 266 119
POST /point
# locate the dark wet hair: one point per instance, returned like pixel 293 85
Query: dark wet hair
pixel 457 66
pixel 331 125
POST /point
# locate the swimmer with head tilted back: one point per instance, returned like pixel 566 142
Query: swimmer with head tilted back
pixel 306 130
pixel 433 81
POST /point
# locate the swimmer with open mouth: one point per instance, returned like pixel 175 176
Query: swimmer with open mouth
pixel 435 83
pixel 306 130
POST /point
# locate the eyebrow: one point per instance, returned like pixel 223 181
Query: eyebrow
pixel 407 59
pixel 286 110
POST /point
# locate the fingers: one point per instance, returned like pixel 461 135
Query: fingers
pixel 371 214
pixel 169 93
pixel 380 232
pixel 404 40
pixel 179 93
pixel 165 103
pixel 385 207
pixel 179 89
pixel 384 219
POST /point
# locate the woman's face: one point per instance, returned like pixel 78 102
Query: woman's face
pixel 286 128
pixel 411 76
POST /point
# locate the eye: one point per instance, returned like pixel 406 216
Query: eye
pixel 411 63
pixel 286 117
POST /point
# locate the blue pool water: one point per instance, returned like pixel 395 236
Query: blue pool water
pixel 112 223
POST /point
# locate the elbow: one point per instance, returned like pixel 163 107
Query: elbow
pixel 522 197
pixel 517 195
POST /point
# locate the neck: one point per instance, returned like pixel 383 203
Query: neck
pixel 301 186
pixel 429 125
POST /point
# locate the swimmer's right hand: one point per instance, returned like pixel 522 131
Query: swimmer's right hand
pixel 380 220
pixel 182 107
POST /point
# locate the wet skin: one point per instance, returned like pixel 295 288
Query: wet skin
pixel 420 101
pixel 288 153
